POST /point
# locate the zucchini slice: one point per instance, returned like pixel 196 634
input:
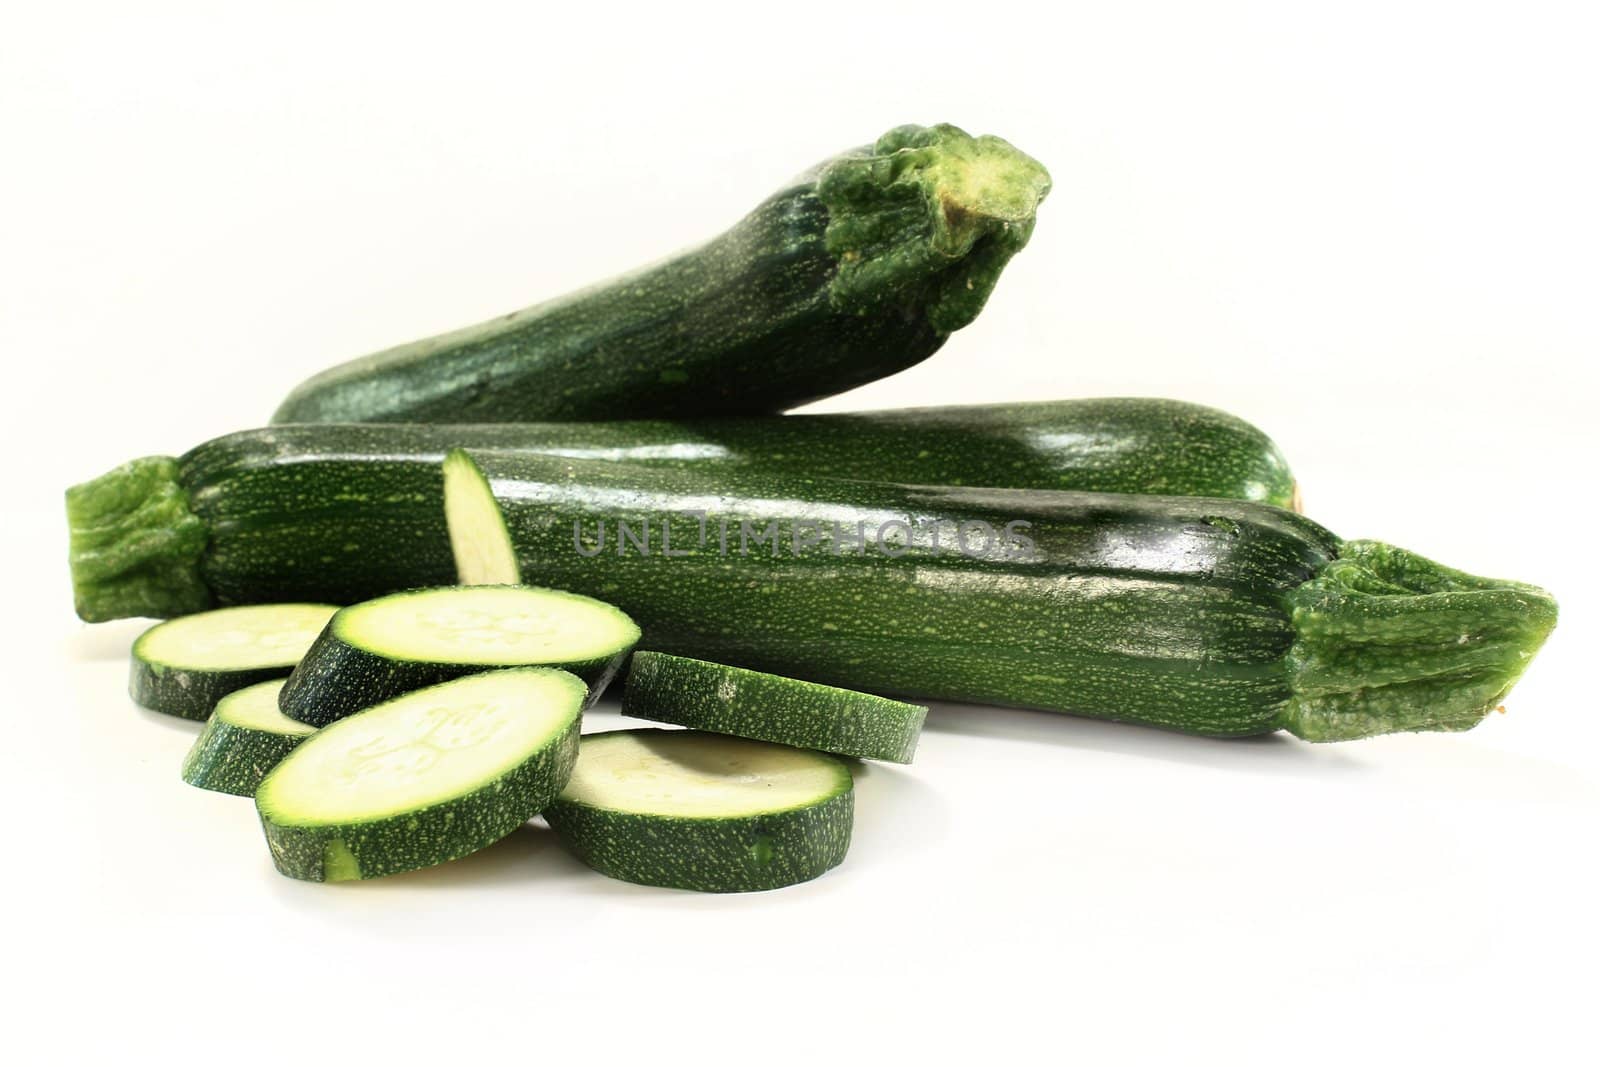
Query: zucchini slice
pixel 184 666
pixel 770 707
pixel 691 810
pixel 479 539
pixel 377 650
pixel 428 777
pixel 245 738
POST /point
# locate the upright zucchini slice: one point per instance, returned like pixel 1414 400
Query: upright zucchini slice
pixel 770 707
pixel 691 810
pixel 183 667
pixel 428 777
pixel 244 739
pixel 377 650
pixel 479 540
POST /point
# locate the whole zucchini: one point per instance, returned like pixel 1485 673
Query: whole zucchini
pixel 328 489
pixel 860 268
pixel 1208 616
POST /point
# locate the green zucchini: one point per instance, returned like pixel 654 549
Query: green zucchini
pixel 1208 616
pixel 184 666
pixel 690 810
pixel 768 707
pixel 244 739
pixel 427 777
pixel 860 268
pixel 353 512
pixel 379 649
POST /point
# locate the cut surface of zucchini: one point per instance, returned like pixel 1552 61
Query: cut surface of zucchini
pixel 373 651
pixel 185 665
pixel 770 707
pixel 478 536
pixel 245 738
pixel 424 778
pixel 692 810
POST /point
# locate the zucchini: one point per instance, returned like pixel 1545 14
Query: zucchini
pixel 479 541
pixel 353 512
pixel 767 707
pixel 427 777
pixel 1213 617
pixel 244 739
pixel 184 666
pixel 690 810
pixel 858 269
pixel 373 651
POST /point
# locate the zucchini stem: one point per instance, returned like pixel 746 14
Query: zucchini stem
pixel 1388 641
pixel 135 545
pixel 931 213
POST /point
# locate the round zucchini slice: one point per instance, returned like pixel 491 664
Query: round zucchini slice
pixel 382 648
pixel 245 738
pixel 770 707
pixel 424 778
pixel 185 665
pixel 692 810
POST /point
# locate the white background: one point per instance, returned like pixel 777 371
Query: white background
pixel 1371 229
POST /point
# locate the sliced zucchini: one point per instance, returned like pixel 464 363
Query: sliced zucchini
pixel 427 777
pixel 479 539
pixel 770 707
pixel 691 810
pixel 245 738
pixel 184 666
pixel 380 649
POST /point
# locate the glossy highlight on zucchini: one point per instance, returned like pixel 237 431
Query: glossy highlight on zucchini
pixel 355 510
pixel 860 268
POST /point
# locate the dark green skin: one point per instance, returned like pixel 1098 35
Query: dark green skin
pixel 769 707
pixel 710 855
pixel 338 678
pixel 1207 616
pixel 190 694
pixel 227 758
pixel 329 506
pixel 418 838
pixel 858 270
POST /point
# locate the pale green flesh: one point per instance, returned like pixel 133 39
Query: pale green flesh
pixel 487 626
pixel 247 638
pixel 423 748
pixel 256 708
pixel 692 775
pixel 478 538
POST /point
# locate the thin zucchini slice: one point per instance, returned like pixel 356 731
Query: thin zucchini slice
pixel 770 707
pixel 184 666
pixel 428 777
pixel 691 810
pixel 479 539
pixel 245 738
pixel 377 650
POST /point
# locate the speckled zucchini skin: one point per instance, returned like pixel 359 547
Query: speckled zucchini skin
pixel 768 707
pixel 338 678
pixel 859 269
pixel 355 511
pixel 189 694
pixel 711 855
pixel 231 758
pixel 423 837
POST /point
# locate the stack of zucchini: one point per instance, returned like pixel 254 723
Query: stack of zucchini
pixel 513 513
